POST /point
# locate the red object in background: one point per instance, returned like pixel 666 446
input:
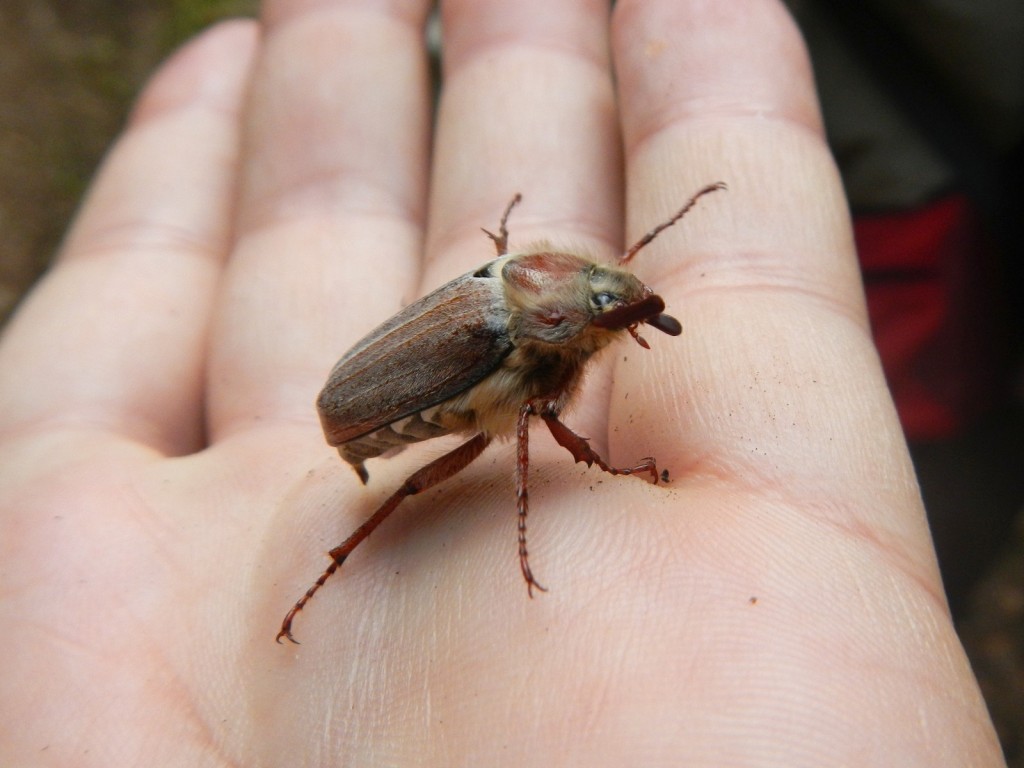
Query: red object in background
pixel 934 308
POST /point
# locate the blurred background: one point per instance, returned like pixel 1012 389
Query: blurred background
pixel 924 104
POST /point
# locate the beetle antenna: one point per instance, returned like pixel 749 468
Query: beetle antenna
pixel 501 239
pixel 628 255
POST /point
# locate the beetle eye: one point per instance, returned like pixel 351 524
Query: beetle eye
pixel 603 299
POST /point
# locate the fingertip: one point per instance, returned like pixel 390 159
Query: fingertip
pixel 212 68
pixel 690 60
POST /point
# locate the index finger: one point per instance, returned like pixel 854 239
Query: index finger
pixel 112 339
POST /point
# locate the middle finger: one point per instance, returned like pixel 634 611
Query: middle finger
pixel 528 106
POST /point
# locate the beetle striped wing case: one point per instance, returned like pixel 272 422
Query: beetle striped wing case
pixel 432 350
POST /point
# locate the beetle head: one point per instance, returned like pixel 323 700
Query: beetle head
pixel 624 302
pixel 560 298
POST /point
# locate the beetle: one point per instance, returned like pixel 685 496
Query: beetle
pixel 480 356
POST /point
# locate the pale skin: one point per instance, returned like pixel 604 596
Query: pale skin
pixel 166 493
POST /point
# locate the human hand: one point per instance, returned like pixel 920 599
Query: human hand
pixel 166 493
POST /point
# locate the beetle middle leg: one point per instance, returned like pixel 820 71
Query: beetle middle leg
pixel 432 474
pixel 522 494
pixel 580 450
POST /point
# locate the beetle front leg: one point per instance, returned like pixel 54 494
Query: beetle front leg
pixel 522 495
pixel 581 450
pixel 432 474
pixel 501 239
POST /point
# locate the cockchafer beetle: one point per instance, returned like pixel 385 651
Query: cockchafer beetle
pixel 480 356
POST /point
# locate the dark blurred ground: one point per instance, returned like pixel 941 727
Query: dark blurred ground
pixel 68 72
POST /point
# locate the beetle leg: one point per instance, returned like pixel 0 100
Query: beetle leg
pixel 432 474
pixel 632 332
pixel 628 255
pixel 581 450
pixel 522 495
pixel 501 239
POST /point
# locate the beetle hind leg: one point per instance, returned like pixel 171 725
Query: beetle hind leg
pixel 435 472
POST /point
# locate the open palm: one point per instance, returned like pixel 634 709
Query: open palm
pixel 166 493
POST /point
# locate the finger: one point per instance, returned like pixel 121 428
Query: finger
pixel 775 406
pixel 112 338
pixel 775 383
pixel 763 276
pixel 527 106
pixel 333 188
